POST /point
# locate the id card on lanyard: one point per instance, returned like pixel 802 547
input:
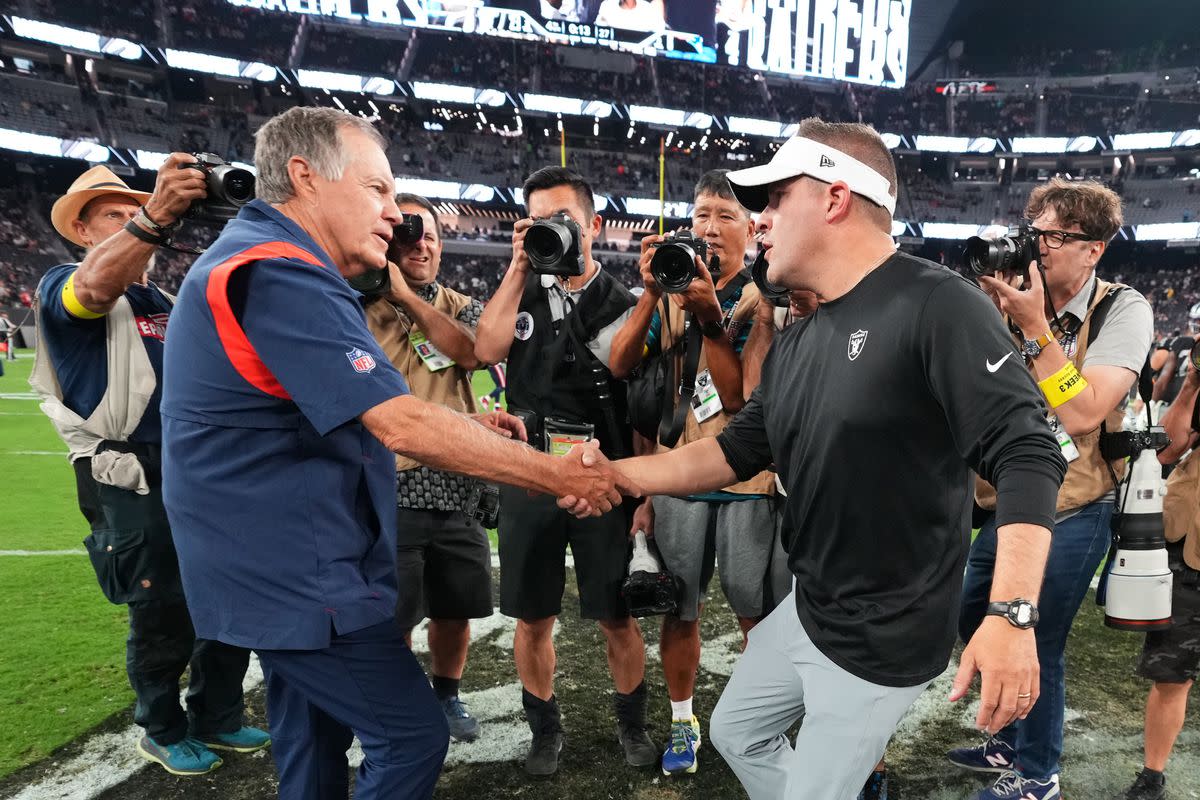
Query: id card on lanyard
pixel 433 359
pixel 706 402
pixel 1069 451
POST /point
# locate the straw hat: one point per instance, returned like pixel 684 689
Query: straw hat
pixel 97 181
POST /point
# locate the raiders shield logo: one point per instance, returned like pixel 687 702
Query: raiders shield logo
pixel 855 346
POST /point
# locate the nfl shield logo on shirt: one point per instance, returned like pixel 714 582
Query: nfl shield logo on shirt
pixel 855 347
pixel 361 360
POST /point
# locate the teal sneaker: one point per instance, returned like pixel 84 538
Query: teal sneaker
pixel 243 740
pixel 186 757
pixel 680 756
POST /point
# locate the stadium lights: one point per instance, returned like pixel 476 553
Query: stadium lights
pixel 450 93
pixel 949 230
pixel 599 201
pixel 650 207
pixel 955 144
pixel 1167 231
pixel 219 65
pixel 553 104
pixel 670 116
pixel 1053 144
pixel 77 39
pixel 761 127
pixel 476 192
pixel 53 146
pixel 1159 140
pixel 344 82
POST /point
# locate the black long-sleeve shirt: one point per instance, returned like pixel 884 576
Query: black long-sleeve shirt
pixel 875 410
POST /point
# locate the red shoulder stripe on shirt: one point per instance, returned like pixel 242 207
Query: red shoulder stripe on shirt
pixel 241 353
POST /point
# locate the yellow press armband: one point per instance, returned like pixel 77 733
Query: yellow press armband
pixel 1062 385
pixel 72 304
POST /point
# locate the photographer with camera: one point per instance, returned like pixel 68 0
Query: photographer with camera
pixel 1171 658
pixel 554 317
pixel 708 321
pixel 1085 341
pixel 443 558
pixel 98 369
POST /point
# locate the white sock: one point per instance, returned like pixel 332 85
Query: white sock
pixel 682 710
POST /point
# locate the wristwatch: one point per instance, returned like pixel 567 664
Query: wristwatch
pixel 712 330
pixel 1020 613
pixel 1031 348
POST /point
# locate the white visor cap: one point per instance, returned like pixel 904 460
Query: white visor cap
pixel 800 156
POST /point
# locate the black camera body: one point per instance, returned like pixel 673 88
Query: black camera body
pixel 776 295
pixel 229 188
pixel 377 282
pixel 1115 445
pixel 483 504
pixel 674 262
pixel 554 246
pixel 1011 253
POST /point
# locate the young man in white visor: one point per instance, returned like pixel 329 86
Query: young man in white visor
pixel 874 410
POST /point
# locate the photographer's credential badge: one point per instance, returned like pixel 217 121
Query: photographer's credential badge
pixel 435 360
pixel 855 347
pixel 706 403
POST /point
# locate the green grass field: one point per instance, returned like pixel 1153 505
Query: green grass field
pixel 62 658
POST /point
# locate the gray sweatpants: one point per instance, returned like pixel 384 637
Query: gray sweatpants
pixel 782 677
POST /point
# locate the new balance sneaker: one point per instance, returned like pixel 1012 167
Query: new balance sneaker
pixel 680 755
pixel 243 740
pixel 1147 786
pixel 993 755
pixel 186 757
pixel 1011 786
pixel 876 787
pixel 463 727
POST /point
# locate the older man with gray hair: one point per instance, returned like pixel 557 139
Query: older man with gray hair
pixel 279 412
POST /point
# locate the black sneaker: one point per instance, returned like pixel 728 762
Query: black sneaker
pixel 639 750
pixel 542 758
pixel 545 723
pixel 1147 787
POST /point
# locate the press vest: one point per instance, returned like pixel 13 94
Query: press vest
pixel 1088 478
pixel 671 331
pixel 450 387
pixel 553 373
pixel 1181 508
pixel 131 384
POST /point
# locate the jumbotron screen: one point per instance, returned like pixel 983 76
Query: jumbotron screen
pixel 864 41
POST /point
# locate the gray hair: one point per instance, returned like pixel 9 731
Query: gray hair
pixel 312 133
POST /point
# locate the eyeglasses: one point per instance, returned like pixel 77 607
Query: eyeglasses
pixel 1056 239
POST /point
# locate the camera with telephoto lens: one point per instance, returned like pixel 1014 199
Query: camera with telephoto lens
pixel 554 246
pixel 377 282
pixel 483 504
pixel 776 295
pixel 1011 253
pixel 1137 594
pixel 674 262
pixel 228 189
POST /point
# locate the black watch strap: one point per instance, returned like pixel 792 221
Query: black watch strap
pixel 145 235
pixel 1020 613
pixel 712 330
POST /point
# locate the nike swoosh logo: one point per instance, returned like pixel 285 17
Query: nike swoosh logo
pixel 993 367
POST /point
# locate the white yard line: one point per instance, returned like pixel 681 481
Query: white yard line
pixel 43 552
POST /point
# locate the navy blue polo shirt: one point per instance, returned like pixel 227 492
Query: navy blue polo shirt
pixel 281 503
pixel 77 341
